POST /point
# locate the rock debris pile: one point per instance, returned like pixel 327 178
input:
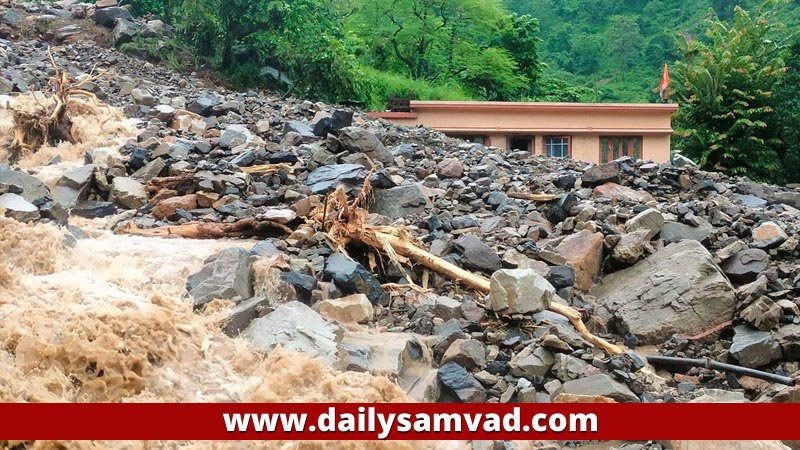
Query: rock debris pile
pixel 659 258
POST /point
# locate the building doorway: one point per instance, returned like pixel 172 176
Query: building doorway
pixel 520 143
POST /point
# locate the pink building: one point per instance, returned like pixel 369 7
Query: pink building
pixel 591 132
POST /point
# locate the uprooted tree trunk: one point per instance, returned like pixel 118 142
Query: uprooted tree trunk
pixel 49 121
pixel 345 222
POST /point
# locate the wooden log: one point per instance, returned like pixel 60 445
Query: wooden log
pixel 542 198
pixel 266 168
pixel 481 284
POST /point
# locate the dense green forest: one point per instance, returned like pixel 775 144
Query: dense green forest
pixel 735 63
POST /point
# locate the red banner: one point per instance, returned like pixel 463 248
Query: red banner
pixel 138 421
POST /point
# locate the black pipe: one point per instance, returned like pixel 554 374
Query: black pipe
pixel 716 365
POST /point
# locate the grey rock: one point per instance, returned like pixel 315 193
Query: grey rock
pixel 675 231
pixel 678 289
pixel 566 367
pixel 341 118
pixel 302 128
pixel 125 31
pixel 682 161
pixel 468 353
pixel 631 246
pixel 531 362
pixel 231 138
pixel 303 285
pixel 241 315
pixel 32 189
pixel 10 17
pixel 78 178
pixel 768 235
pixel 351 277
pixel 400 201
pixel 601 385
pixel 204 105
pixel 143 97
pixel 226 275
pixel 93 209
pixel 519 291
pixel 561 276
pixel 150 170
pixel 359 140
pixel 787 198
pixel 763 314
pixel 649 219
pixel 16 207
pixel 459 384
pixel 746 265
pixel 601 174
pixel 163 113
pixel 788 337
pixel 754 348
pixel 295 327
pixel 477 255
pixel 108 16
pixel 326 178
pixel 128 193
pixel 264 249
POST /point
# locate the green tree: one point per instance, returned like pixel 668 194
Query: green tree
pixel 725 85
pixel 787 96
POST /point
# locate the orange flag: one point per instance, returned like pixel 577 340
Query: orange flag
pixel 664 86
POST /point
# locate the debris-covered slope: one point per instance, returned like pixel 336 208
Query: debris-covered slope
pixel 318 222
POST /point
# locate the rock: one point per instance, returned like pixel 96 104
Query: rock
pixel 150 170
pixel 204 105
pixel 787 198
pixel 128 193
pixel 31 188
pixel 17 208
pixel 768 235
pixel 746 265
pixel 143 97
pixel 450 168
pixel 359 140
pixel 400 201
pixel 354 308
pixel 679 160
pixel 295 327
pixel 630 247
pixel 519 291
pixel 302 128
pixel 326 178
pixel 124 31
pixel 562 208
pixel 561 276
pixel 649 219
pixel 583 252
pixel 459 384
pixel 341 118
pixel 477 255
pixel 531 362
pixel 598 385
pixel 241 315
pixel 108 16
pixel 167 207
pixel 303 285
pixel 788 337
pixel 614 191
pixel 678 289
pixel 763 314
pixel 93 209
pixel 232 137
pixel 516 260
pixel 78 178
pixel 600 174
pixel 567 368
pixel 155 28
pixel 226 275
pixel 467 353
pixel 352 278
pixel 674 232
pixel 754 348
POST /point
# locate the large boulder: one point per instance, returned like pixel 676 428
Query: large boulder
pixel 583 252
pixel 226 275
pixel 519 291
pixel 326 178
pixel 679 289
pixel 108 16
pixel 296 327
pixel 400 201
pixel 359 140
pixel 32 189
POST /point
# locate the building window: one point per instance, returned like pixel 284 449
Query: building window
pixel 614 147
pixel 557 146
pixel 475 139
pixel 520 143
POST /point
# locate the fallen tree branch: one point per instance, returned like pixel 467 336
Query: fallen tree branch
pixel 716 365
pixel 159 183
pixel 266 168
pixel 206 230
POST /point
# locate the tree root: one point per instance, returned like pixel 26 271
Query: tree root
pixel 206 230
